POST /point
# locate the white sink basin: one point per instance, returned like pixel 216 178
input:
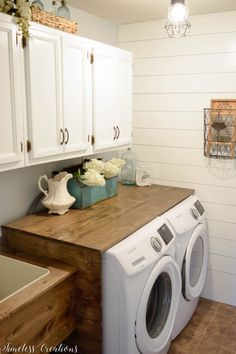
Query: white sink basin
pixel 16 275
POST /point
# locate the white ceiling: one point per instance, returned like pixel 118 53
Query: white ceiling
pixel 128 11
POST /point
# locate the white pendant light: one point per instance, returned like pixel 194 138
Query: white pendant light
pixel 178 24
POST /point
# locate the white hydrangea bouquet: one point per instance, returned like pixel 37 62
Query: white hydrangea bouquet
pixel 95 172
pixel 94 181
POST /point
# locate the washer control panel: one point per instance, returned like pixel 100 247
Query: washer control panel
pixel 165 237
pixel 143 248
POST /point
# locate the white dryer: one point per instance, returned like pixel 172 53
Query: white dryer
pixel 141 289
pixel 188 221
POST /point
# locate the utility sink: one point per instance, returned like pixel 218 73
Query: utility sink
pixel 16 275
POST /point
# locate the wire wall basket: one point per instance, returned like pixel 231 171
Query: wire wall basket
pixel 220 132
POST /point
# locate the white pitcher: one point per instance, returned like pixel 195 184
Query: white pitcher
pixel 57 198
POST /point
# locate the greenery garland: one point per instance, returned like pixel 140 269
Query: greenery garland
pixel 21 10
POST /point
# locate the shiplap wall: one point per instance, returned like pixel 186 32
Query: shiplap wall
pixel 174 79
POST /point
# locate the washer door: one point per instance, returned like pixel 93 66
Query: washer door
pixel 195 264
pixel 158 306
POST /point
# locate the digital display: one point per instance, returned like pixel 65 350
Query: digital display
pixel 165 234
pixel 199 207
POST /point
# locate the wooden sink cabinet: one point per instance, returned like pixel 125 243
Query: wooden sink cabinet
pixel 42 313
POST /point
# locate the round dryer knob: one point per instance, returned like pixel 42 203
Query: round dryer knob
pixel 156 244
pixel 195 213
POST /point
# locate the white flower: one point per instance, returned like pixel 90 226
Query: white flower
pixel 110 170
pixel 117 162
pixel 94 164
pixel 93 178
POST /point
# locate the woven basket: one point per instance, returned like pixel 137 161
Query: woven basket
pixel 50 20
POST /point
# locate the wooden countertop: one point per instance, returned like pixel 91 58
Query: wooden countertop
pixel 106 223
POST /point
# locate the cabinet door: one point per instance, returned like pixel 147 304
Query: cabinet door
pixel 103 98
pixel 123 98
pixel 112 97
pixel 11 117
pixel 43 67
pixel 77 95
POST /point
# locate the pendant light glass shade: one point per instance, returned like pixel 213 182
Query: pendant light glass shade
pixel 178 24
pixel 177 12
pixel 63 10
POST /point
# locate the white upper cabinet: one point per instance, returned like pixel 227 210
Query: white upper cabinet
pixel 59 96
pixel 43 71
pixel 103 97
pixel 112 97
pixel 11 116
pixel 77 95
pixel 63 96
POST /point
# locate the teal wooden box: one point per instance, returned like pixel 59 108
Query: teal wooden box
pixel 87 196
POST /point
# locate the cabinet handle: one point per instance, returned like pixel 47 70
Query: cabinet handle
pixel 118 129
pixel 63 137
pixel 115 133
pixel 67 136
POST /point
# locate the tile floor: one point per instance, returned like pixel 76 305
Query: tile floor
pixel 212 330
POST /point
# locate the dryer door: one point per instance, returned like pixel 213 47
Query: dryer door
pixel 158 306
pixel 195 263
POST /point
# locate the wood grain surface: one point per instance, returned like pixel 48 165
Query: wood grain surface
pixel 88 309
pixel 43 312
pixel 103 225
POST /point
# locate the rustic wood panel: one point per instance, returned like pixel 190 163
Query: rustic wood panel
pixel 87 281
pixel 104 224
pixel 50 314
pixel 44 312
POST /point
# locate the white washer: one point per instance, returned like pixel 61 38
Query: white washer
pixel 188 221
pixel 141 289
